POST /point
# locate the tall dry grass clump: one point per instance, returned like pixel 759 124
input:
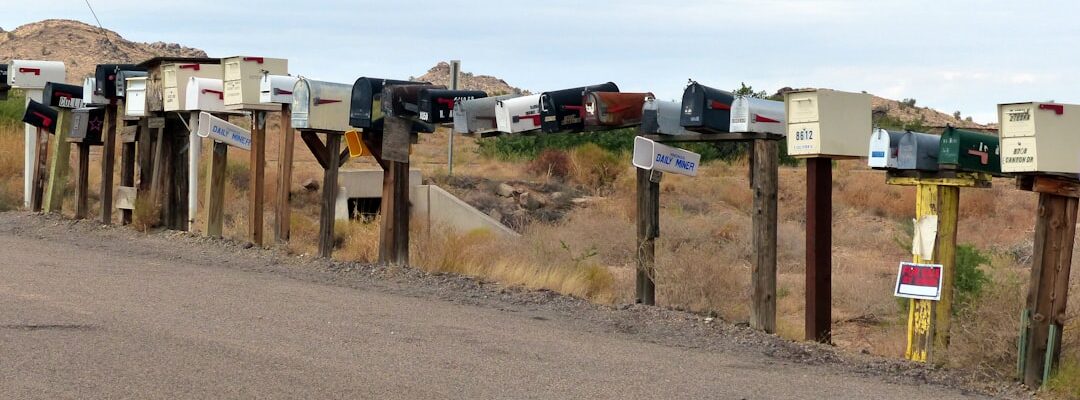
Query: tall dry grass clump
pixel 11 166
pixel 596 168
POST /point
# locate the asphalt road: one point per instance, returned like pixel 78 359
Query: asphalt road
pixel 103 321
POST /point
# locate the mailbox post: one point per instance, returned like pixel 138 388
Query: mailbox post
pixel 107 78
pixel 43 119
pixel 31 76
pixel 86 130
pixel 278 89
pixel 65 98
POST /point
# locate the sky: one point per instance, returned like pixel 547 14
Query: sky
pixel 952 55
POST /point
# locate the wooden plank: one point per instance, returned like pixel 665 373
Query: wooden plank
pixel 108 159
pixel 763 273
pixel 145 147
pixel 819 249
pixel 1056 186
pixel 257 188
pixel 943 178
pixel 59 165
pixel 648 229
pixel 215 190
pixel 394 231
pixel 127 170
pixel 82 182
pixel 1055 230
pixel 318 149
pixel 157 174
pixel 329 196
pixel 285 161
pixel 41 148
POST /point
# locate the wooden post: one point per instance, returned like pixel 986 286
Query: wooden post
pixel 157 174
pixel 329 194
pixel 285 159
pixel 819 249
pixel 59 166
pixel 763 275
pixel 82 182
pixel 41 160
pixel 215 192
pixel 394 232
pixel 648 229
pixel 177 190
pixel 1048 291
pixel 108 159
pixel 127 170
pixel 256 192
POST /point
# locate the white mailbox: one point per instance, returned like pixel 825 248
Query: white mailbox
pixel 1040 137
pixel 662 117
pixel 321 106
pixel 175 78
pixel 749 114
pixel 242 75
pixel 204 94
pixel 121 81
pixel 277 89
pixel 829 123
pixel 519 114
pixel 884 147
pixel 33 74
pixel 135 96
pixel 477 116
pixel 89 97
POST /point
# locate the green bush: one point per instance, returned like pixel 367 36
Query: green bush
pixel 12 109
pixel 969 278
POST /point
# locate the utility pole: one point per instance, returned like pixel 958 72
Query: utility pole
pixel 455 70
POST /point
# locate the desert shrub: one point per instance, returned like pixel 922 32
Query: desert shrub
pixel 594 167
pixel 970 280
pixel 147 213
pixel 552 162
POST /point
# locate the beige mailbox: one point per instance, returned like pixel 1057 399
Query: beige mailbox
pixel 1040 137
pixel 242 77
pixel 175 77
pixel 827 123
pixel 321 106
pixel 33 74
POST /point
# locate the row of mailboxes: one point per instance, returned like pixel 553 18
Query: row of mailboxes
pixel 86 126
pixel 242 76
pixel 613 109
pixel 955 149
pixel 321 106
pixel 564 110
pixel 1039 137
pixel 277 89
pixel 477 116
pixel 34 74
pixel 175 78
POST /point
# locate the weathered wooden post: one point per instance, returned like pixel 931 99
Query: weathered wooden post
pixel 222 133
pixel 278 90
pixel 822 125
pixel 110 86
pixel 31 76
pixel 132 89
pixel 65 98
pixel 205 96
pixel 86 130
pixel 1039 143
pixel 43 119
pixel 242 77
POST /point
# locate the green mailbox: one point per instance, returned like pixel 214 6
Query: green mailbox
pixel 969 151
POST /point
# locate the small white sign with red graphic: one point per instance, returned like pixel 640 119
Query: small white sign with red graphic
pixel 919 281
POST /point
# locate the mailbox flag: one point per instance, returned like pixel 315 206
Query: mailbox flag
pixel 222 131
pixel 655 156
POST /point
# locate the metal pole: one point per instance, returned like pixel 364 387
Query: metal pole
pixel 455 70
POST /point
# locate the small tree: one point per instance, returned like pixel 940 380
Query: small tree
pixel 956 114
pixel 744 90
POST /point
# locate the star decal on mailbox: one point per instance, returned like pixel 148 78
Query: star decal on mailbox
pixel 94 125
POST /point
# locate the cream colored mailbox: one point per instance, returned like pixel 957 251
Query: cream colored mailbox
pixel 175 77
pixel 241 79
pixel 1040 137
pixel 135 96
pixel 321 106
pixel 277 89
pixel 204 94
pixel 827 123
pixel 33 74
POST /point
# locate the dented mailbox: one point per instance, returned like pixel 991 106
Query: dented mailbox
pixel 883 148
pixel 564 111
pixel 105 78
pixel 436 106
pixel 366 107
pixel 705 109
pixel 277 89
pixel 321 106
pixel 174 80
pixel 917 151
pixel 41 116
pixel 204 94
pixel 749 114
pixel 1040 137
pixel 829 123
pixel 613 109
pixel 519 114
pixel 969 151
pixel 62 95
pixel 34 74
pixel 662 117
pixel 477 116
pixel 86 126
pixel 242 76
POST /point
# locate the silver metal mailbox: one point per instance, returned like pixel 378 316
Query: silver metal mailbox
pixel 477 116
pixel 34 74
pixel 1040 137
pixel 174 80
pixel 277 89
pixel 204 94
pixel 519 114
pixel 749 114
pixel 662 117
pixel 883 148
pixel 242 75
pixel 321 106
pixel 918 151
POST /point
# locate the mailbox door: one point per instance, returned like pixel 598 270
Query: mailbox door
pixel 614 109
pixel 242 75
pixel 41 116
pixel 135 97
pixel 366 105
pixel 277 89
pixel 204 94
pixel 34 74
pixel 86 126
pixel 90 97
pixel 62 95
pixel 750 114
pixel 519 114
pixel 437 105
pixel 564 111
pixel 478 115
pixel 880 149
pixel 969 151
pixel 706 109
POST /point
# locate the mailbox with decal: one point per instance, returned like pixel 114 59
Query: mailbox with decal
pixel 1039 137
pixel 917 151
pixel 62 95
pixel 366 107
pixel 827 123
pixel 89 95
pixel 613 109
pixel 437 105
pixel 34 74
pixel 175 77
pixel 41 116
pixel 969 151
pixel 5 87
pixel 321 106
pixel 706 109
pixel 277 89
pixel 106 79
pixel 404 100
pixel 750 114
pixel 477 116
pixel 242 77
pixel 564 110
pixel 519 114
pixel 86 126
pixel 883 148
pixel 204 94
pixel 662 117
pixel 135 96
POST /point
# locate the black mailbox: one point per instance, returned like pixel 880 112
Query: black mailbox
pixel 86 126
pixel 705 109
pixel 62 95
pixel 564 110
pixel 366 106
pixel 41 116
pixel 4 87
pixel 436 106
pixel 105 78
pixel 403 100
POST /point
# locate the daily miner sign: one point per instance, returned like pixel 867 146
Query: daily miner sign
pixel 655 156
pixel 223 131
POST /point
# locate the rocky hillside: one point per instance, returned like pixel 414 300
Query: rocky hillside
pixel 81 46
pixel 440 75
pixel 929 117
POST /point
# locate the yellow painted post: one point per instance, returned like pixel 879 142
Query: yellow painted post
pixel 58 169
